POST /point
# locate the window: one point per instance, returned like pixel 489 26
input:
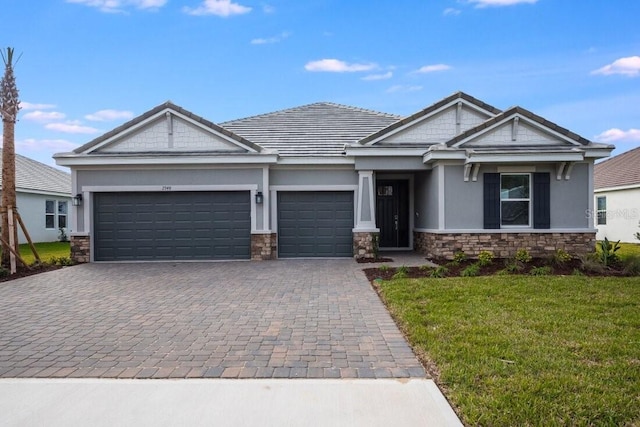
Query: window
pixel 515 199
pixel 62 214
pixel 601 210
pixel 50 214
pixel 53 209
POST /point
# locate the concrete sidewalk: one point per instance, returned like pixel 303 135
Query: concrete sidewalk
pixel 203 402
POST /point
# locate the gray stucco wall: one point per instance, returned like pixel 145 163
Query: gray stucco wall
pixel 32 211
pixel 426 200
pixel 569 198
pixel 295 176
pixel 390 163
pixel 169 177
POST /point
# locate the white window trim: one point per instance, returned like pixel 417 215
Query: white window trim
pixel 529 199
pixel 53 214
pixel 598 210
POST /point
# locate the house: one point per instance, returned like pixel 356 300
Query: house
pixel 617 197
pixel 329 180
pixel 43 199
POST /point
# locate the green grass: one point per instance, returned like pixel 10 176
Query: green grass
pixel 627 249
pixel 517 350
pixel 46 251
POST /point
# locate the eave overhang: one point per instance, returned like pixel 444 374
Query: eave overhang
pixel 72 159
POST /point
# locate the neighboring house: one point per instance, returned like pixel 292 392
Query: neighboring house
pixel 617 197
pixel 43 199
pixel 328 180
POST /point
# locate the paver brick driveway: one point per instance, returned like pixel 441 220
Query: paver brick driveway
pixel 288 318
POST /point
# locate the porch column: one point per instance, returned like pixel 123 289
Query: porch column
pixel 365 208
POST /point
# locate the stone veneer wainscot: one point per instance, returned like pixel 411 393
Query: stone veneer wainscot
pixel 445 245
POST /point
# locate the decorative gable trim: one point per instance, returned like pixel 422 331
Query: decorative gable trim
pixel 518 116
pixel 457 100
pixel 167 110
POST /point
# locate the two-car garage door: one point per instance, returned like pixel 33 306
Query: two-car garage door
pixel 172 226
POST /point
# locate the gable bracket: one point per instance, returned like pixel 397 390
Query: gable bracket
pixel 467 171
pixel 567 174
pixel 471 169
pixel 559 169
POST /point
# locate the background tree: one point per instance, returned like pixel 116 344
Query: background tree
pixel 9 107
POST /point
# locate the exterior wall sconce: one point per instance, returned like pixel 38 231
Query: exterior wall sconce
pixel 259 198
pixel 77 200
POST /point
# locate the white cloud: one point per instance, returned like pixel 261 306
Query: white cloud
pixel 403 89
pixel 629 66
pixel 71 127
pixel 615 134
pixel 43 116
pixel 433 68
pixel 372 77
pixel 217 7
pixel 451 11
pixel 488 3
pixel 29 106
pixel 337 66
pixel 52 145
pixel 267 8
pixel 108 115
pixel 270 40
pixel 115 6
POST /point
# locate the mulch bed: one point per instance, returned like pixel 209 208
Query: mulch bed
pixel 24 272
pixel 498 264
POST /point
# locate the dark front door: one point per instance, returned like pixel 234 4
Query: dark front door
pixel 392 213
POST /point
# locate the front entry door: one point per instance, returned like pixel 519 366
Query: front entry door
pixel 392 213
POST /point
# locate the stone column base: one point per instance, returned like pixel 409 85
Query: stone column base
pixel 503 245
pixel 264 246
pixel 80 249
pixel 365 244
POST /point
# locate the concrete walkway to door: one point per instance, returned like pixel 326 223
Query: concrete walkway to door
pixel 272 319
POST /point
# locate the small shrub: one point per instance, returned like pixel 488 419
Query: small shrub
pixel 425 267
pixel 631 265
pixel 591 262
pixel 540 271
pixel 577 272
pixel 471 270
pixel 384 267
pixel 3 272
pixel 523 256
pixel 399 275
pixel 485 258
pixel 459 257
pixel 513 266
pixel 440 272
pixel 401 272
pixel 608 251
pixel 560 257
pixel 62 261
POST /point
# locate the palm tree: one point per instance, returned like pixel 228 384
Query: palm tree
pixel 9 107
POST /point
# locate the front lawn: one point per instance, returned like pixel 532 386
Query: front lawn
pixel 46 251
pixel 519 350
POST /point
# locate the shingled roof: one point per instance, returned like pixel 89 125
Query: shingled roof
pixel 35 177
pixel 618 171
pixel 319 129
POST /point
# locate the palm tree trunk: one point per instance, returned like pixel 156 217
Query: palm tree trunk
pixel 8 182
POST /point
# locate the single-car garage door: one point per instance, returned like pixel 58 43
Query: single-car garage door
pixel 172 226
pixel 315 224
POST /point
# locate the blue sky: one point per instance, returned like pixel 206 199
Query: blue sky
pixel 87 66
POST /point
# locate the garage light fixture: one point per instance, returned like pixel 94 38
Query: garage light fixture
pixel 77 200
pixel 259 198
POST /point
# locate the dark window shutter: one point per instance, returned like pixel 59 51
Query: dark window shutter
pixel 491 200
pixel 541 200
